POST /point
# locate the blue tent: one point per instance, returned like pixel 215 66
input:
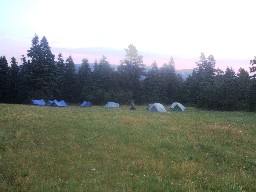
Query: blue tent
pixel 62 103
pixel 112 105
pixel 86 104
pixel 55 103
pixel 40 102
pixel 51 102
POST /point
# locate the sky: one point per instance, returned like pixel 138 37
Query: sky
pixel 159 29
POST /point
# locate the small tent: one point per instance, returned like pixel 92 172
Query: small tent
pixel 51 102
pixel 177 107
pixel 86 104
pixel 112 105
pixel 62 103
pixel 55 103
pixel 156 107
pixel 40 102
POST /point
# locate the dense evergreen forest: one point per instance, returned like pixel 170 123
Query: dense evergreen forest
pixel 41 75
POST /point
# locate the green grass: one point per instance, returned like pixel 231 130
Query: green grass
pixel 98 149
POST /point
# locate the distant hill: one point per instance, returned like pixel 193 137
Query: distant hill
pixel 183 72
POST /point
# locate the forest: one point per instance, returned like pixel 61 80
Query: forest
pixel 41 75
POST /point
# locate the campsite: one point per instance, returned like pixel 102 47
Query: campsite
pixel 99 149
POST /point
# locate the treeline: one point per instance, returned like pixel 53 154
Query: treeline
pixel 40 75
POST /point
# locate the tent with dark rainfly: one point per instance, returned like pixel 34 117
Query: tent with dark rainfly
pixel 156 107
pixel 177 107
pixel 86 104
pixel 39 102
pixel 112 105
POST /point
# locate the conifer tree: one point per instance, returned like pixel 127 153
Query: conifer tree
pixel 15 81
pixel 130 72
pixel 103 81
pixel 60 77
pixel 152 85
pixel 4 85
pixel 42 80
pixel 70 80
pixel 84 84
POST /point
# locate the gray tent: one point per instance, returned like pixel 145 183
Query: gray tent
pixel 112 105
pixel 177 107
pixel 156 107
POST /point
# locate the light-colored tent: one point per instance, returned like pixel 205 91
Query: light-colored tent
pixel 156 107
pixel 40 102
pixel 112 105
pixel 177 107
pixel 86 104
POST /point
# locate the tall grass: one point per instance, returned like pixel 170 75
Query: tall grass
pixel 98 149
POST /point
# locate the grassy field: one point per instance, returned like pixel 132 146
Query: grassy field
pixel 98 149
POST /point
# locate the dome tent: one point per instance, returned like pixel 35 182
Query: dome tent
pixel 86 104
pixel 55 103
pixel 40 102
pixel 112 105
pixel 177 107
pixel 156 107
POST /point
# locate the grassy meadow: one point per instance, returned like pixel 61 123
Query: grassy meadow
pixel 98 149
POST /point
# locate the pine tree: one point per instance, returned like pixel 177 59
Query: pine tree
pixel 130 71
pixel 103 81
pixel 229 91
pixel 243 80
pixel 202 81
pixel 42 80
pixel 49 76
pixel 152 88
pixel 60 77
pixel 84 81
pixel 170 82
pixel 251 101
pixel 15 81
pixel 25 91
pixel 70 80
pixel 4 85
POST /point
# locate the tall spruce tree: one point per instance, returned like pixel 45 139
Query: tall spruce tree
pixel 70 81
pixel 243 80
pixel 229 92
pixel 84 84
pixel 152 85
pixel 170 82
pixel 42 81
pixel 25 91
pixel 4 80
pixel 15 81
pixel 103 81
pixel 60 77
pixel 130 71
pixel 251 101
pixel 49 67
pixel 201 82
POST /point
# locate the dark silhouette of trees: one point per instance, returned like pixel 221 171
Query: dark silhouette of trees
pixel 40 76
pixel 4 81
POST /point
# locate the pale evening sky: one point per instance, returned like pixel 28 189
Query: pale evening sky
pixel 178 28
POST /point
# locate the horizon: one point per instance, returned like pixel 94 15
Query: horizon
pixel 114 57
